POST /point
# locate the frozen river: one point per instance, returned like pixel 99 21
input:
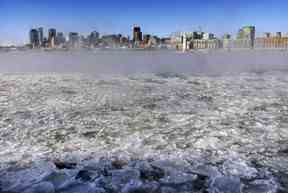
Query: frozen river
pixel 228 133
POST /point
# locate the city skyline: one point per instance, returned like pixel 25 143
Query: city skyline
pixel 159 18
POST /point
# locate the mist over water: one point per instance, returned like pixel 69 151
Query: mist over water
pixel 127 62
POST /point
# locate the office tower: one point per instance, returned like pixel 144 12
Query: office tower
pixel 74 40
pixel 84 42
pixel 41 35
pixel 124 41
pixel 51 38
pixel 146 38
pixel 34 38
pixel 112 40
pixel 247 33
pixel 137 34
pixel 94 38
pixel 60 39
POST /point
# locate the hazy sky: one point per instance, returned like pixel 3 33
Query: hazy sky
pixel 160 17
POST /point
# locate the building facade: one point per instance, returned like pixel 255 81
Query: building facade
pixel 94 39
pixel 137 36
pixel 74 40
pixel 34 38
pixel 245 37
pixel 60 39
pixel 52 38
pixel 41 35
pixel 272 42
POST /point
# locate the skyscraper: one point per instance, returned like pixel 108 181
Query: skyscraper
pixel 137 34
pixel 93 38
pixel 60 39
pixel 51 38
pixel 146 38
pixel 41 35
pixel 74 40
pixel 34 38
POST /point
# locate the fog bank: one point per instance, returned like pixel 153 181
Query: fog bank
pixel 126 62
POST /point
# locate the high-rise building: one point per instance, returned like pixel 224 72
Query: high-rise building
pixel 60 39
pixel 41 35
pixel 34 38
pixel 247 33
pixel 146 38
pixel 94 38
pixel 52 37
pixel 137 34
pixel 124 41
pixel 112 40
pixel 74 40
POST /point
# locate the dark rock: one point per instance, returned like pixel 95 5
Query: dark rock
pixel 148 171
pixel 205 98
pixel 90 134
pixel 283 180
pixel 284 151
pixel 65 165
pixel 200 183
pixel 118 163
pixel 87 175
pixel 138 176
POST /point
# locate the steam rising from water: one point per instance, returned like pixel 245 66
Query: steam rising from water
pixel 127 62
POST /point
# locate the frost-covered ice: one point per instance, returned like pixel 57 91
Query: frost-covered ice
pixel 163 116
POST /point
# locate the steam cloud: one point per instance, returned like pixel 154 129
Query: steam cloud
pixel 126 62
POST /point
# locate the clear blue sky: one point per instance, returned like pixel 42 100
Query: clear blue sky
pixel 160 17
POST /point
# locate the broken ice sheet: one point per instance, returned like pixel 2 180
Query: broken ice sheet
pixel 150 115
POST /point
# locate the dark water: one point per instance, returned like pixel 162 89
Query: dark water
pixel 126 62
